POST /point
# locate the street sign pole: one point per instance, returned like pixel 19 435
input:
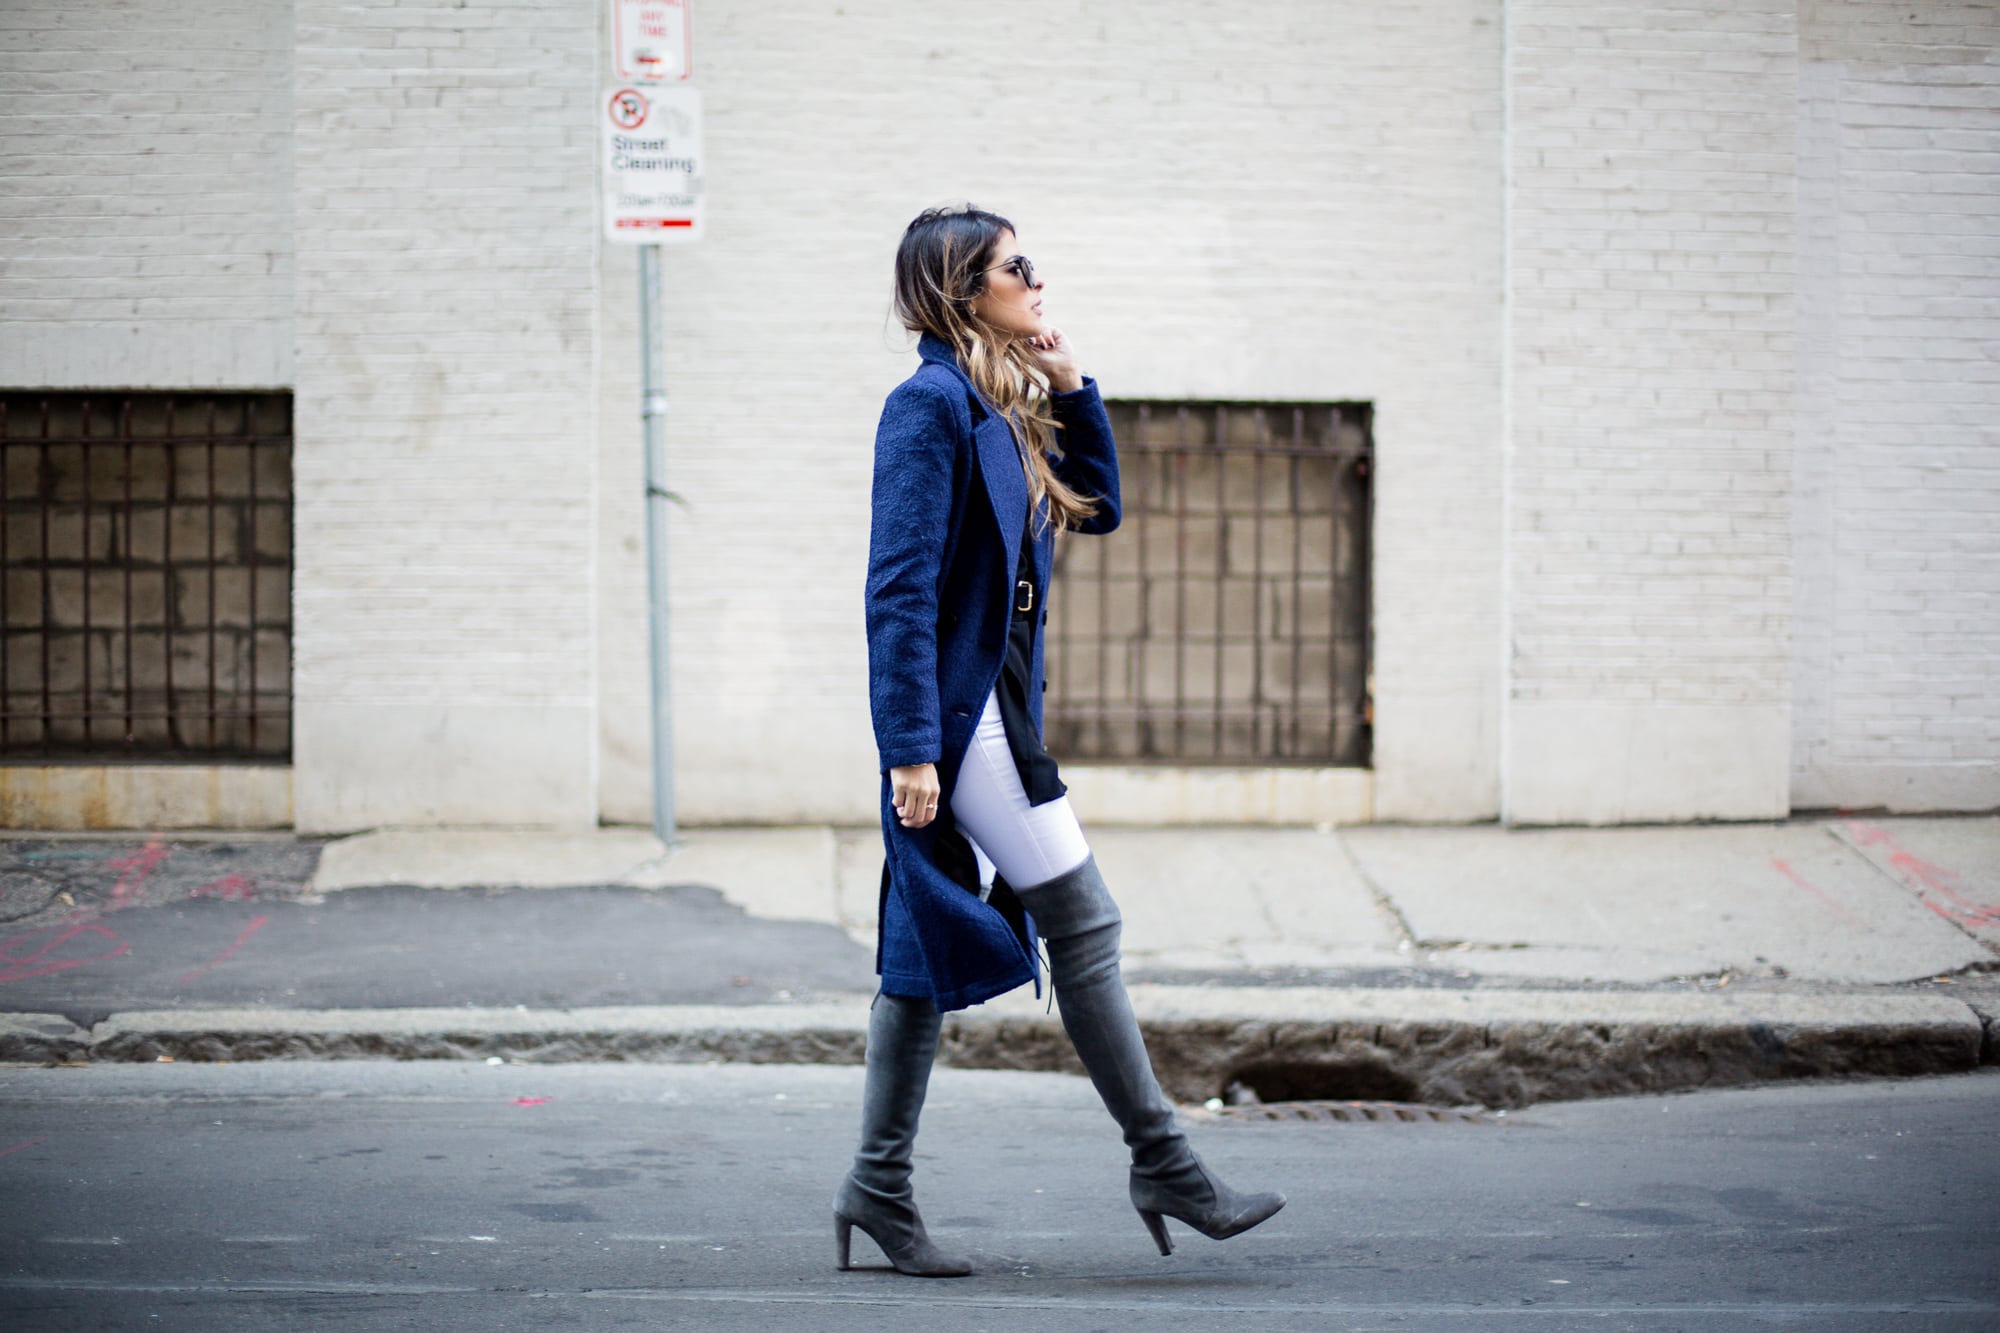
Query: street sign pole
pixel 652 179
pixel 653 413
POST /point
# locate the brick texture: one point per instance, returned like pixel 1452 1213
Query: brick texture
pixel 1651 256
pixel 1651 268
pixel 1897 649
pixel 145 194
pixel 447 300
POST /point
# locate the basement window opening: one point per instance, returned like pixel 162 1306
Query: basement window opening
pixel 145 609
pixel 1227 620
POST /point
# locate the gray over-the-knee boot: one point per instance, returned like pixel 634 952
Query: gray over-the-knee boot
pixel 1075 914
pixel 876 1195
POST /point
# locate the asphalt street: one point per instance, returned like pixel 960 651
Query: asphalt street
pixel 361 1195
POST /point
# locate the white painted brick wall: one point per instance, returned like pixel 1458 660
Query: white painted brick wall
pixel 1267 200
pixel 1264 199
pixel 447 304
pixel 145 218
pixel 1897 651
pixel 1650 256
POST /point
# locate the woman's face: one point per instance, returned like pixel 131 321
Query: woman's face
pixel 1007 302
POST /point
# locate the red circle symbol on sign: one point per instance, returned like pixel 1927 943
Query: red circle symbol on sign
pixel 628 108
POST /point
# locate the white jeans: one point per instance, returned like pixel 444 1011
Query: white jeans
pixel 1029 844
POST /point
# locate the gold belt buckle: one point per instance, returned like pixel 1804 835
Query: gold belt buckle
pixel 1024 596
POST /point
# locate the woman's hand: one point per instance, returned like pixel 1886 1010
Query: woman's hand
pixel 913 789
pixel 1057 359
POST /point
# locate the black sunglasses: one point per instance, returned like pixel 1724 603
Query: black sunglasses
pixel 1023 268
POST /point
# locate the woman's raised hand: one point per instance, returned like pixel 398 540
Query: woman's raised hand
pixel 914 792
pixel 1053 353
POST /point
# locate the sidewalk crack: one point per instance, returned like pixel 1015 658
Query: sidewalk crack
pixel 1406 938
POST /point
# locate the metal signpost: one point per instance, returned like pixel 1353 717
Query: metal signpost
pixel 651 138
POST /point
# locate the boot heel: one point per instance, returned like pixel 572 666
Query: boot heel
pixel 843 1238
pixel 1158 1226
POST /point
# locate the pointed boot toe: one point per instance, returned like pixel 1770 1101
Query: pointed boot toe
pixel 1202 1202
pixel 876 1194
pixel 1083 927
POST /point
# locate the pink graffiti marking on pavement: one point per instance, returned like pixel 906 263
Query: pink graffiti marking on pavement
pixel 231 888
pixel 25 1143
pixel 134 870
pixel 37 953
pixel 228 953
pixel 16 966
pixel 531 1101
pixel 1935 887
pixel 1826 899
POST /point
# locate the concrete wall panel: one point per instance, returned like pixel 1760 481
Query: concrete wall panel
pixel 1650 278
pixel 446 413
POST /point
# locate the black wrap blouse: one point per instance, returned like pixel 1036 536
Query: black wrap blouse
pixel 1036 766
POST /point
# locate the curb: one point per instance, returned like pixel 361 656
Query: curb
pixel 1504 1049
pixel 1444 1048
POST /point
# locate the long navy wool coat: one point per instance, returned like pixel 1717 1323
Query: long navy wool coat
pixel 950 504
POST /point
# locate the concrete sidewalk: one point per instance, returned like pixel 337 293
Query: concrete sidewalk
pixel 1438 964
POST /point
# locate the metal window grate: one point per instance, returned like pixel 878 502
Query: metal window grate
pixel 1227 620
pixel 145 611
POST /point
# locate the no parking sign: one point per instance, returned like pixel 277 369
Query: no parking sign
pixel 652 164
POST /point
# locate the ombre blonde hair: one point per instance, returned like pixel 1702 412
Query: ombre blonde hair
pixel 940 269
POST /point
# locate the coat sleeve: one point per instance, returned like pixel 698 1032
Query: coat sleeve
pixel 1089 464
pixel 910 517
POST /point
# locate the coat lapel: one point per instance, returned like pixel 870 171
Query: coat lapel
pixel 1006 486
pixel 999 465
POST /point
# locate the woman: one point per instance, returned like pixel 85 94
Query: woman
pixel 995 442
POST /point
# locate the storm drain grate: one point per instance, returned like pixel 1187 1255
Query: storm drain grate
pixel 1325 1112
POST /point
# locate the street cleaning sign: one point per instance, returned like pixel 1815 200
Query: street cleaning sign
pixel 652 165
